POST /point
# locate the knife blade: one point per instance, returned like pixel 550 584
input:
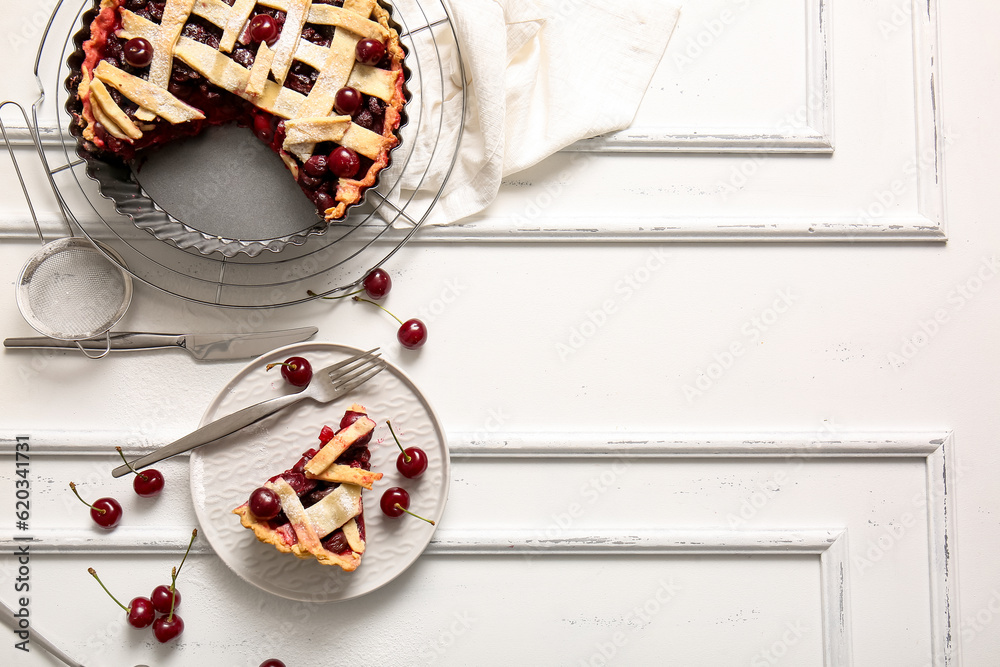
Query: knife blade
pixel 209 346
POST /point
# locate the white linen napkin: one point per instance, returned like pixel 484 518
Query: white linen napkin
pixel 540 75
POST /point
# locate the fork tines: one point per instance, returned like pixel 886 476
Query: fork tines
pixel 354 372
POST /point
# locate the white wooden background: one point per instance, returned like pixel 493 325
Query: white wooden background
pixel 745 452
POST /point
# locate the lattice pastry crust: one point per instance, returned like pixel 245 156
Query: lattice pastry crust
pixel 124 109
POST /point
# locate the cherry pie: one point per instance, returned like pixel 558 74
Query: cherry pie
pixel 319 81
pixel 321 514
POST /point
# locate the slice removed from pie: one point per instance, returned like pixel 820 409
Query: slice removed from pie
pixel 314 509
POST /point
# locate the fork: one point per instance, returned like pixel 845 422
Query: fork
pixel 326 385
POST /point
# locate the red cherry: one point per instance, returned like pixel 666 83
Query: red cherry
pixel 138 52
pixel 315 166
pixel 140 612
pixel 162 598
pixel 265 503
pixel 297 371
pixel 324 201
pixel 264 29
pixel 377 284
pixel 412 334
pixel 148 483
pixel 369 51
pixel 263 127
pixel 347 101
pixel 106 512
pixel 344 162
pixel 273 662
pixel 412 462
pixel 166 628
pixel 396 501
pixel 349 418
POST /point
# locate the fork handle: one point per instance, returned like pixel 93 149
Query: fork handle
pixel 214 430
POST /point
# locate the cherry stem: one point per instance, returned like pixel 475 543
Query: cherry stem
pixel 141 475
pixel 294 367
pixel 400 507
pixel 93 573
pixel 342 296
pixel 358 298
pixel 389 424
pixel 96 509
pixel 177 570
pixel 173 598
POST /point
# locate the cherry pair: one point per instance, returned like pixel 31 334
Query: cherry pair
pixel 107 512
pixel 164 599
pixel 412 333
pixel 411 463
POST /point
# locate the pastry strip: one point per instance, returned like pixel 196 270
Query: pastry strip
pixel 353 536
pixel 260 69
pixel 237 18
pixel 366 142
pixel 292 507
pixel 175 15
pixel 146 95
pixel 99 93
pixel 302 134
pixel 348 475
pixel 291 32
pixel 213 11
pixel 348 20
pixel 334 510
pixel 109 125
pixel 339 444
pixel 333 75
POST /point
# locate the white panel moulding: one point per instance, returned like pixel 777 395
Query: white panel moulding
pixel 932 449
pixel 815 135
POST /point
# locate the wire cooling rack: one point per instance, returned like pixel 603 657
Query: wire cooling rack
pixel 326 264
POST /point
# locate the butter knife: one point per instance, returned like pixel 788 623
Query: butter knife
pixel 199 345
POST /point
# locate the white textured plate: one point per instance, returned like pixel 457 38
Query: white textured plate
pixel 224 473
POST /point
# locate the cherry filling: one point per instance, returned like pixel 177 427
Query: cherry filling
pixel 318 178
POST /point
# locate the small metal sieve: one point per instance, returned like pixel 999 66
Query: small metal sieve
pixel 69 289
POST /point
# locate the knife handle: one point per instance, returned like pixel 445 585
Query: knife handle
pixel 121 340
pixel 214 430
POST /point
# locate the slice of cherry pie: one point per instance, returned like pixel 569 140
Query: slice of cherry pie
pixel 314 509
pixel 319 81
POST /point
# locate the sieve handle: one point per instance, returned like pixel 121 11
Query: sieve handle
pixel 121 340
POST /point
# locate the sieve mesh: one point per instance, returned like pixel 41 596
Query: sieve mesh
pixel 74 292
